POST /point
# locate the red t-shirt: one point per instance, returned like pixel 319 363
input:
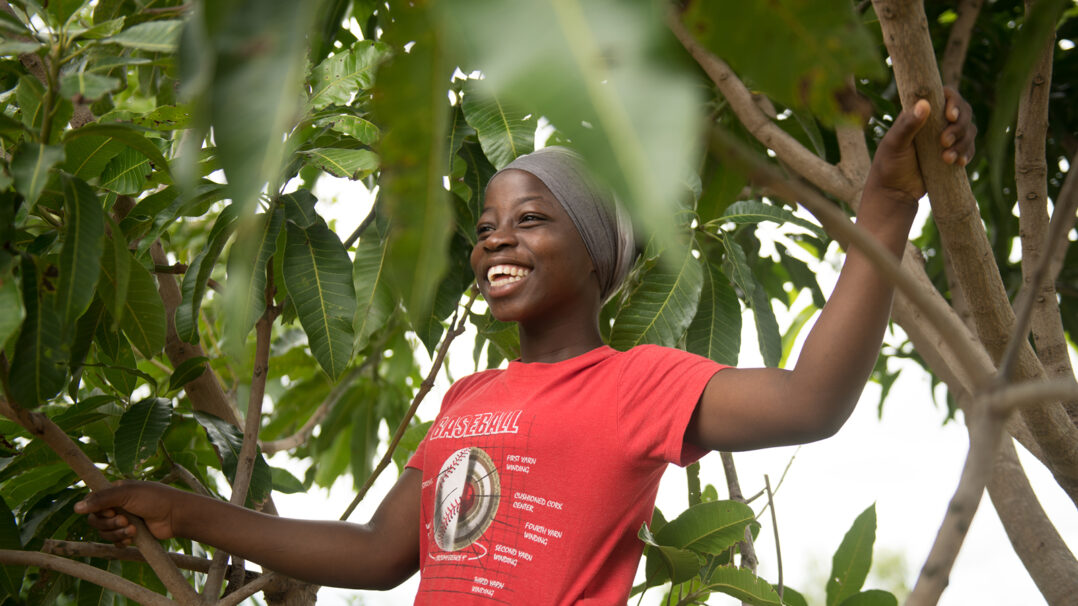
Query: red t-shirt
pixel 537 478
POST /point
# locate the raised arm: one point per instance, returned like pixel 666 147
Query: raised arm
pixel 742 409
pixel 377 555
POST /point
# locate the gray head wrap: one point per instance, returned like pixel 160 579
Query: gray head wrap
pixel 602 223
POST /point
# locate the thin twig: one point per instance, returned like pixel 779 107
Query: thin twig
pixel 775 526
pixel 109 581
pixel 954 53
pixel 456 329
pixel 363 225
pixel 747 549
pixel 181 473
pixel 248 590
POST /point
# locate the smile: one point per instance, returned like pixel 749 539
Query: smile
pixel 501 275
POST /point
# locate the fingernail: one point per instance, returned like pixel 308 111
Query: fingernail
pixel 921 109
pixel 963 161
pixel 948 140
pixel 954 113
pixel 949 157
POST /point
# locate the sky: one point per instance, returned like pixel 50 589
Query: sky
pixel 906 462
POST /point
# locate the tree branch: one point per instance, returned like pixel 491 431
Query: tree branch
pixel 74 549
pixel 335 395
pixel 733 486
pixel 954 54
pixel 456 329
pixel 109 581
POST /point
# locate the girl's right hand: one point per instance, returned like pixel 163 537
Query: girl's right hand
pixel 107 510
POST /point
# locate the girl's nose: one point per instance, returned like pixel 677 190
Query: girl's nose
pixel 500 237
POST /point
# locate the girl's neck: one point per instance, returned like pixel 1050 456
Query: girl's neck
pixel 557 345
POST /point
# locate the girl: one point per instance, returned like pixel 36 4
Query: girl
pixel 533 480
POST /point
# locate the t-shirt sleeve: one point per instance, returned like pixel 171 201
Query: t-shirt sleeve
pixel 658 389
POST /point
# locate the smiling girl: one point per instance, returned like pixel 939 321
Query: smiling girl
pixel 533 479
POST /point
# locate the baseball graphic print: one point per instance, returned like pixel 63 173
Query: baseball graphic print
pixel 466 498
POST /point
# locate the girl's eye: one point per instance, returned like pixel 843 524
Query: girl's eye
pixel 529 217
pixel 482 229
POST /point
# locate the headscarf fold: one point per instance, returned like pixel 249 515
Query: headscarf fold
pixel 603 224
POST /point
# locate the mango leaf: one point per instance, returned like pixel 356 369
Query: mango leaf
pixel 299 208
pixel 245 297
pixel 670 563
pixel 662 304
pixel 715 331
pixel 10 576
pixel 503 132
pixel 411 105
pixel 80 257
pixel 450 290
pixel 139 430
pixel 285 482
pixel 872 597
pixel 752 211
pixel 14 48
pixel 197 276
pixel 767 328
pixel 361 129
pixel 101 30
pixel 39 366
pixel 188 370
pixel 347 163
pixel 61 10
pixel 89 85
pixel 338 78
pixel 708 527
pixel 143 319
pixel 812 47
pixel 130 136
pixel 30 166
pixel 789 338
pixel 374 301
pixel 318 275
pixel 227 440
pixel 29 94
pixel 744 585
pixel 126 173
pixel 52 509
pixel 86 157
pixel 790 597
pixel 166 117
pixel 153 36
pixel 850 564
pixel 11 302
pixel 116 262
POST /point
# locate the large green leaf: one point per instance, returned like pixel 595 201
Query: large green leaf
pixel 139 430
pixel 39 366
pixel 245 296
pixel 767 328
pixel 126 172
pixel 89 85
pixel 11 303
pixel 710 527
pixel 338 78
pixel 153 36
pixel 752 211
pixel 374 301
pixel 361 129
pixel 30 166
pixel 811 48
pixel 850 564
pixel 131 136
pixel 715 331
pixel 80 257
pixel 503 132
pixel 143 319
pixel 318 275
pixel 197 276
pixel 872 597
pixel 347 163
pixel 666 563
pixel 86 157
pixel 10 576
pixel 744 585
pixel 227 440
pixel 116 261
pixel 662 304
pixel 411 105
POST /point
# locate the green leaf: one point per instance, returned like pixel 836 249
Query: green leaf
pixel 39 366
pixel 153 36
pixel 61 10
pixel 126 173
pixel 662 304
pixel 188 370
pixel 116 264
pixel 338 78
pixel 129 135
pixel 139 430
pixel 143 319
pixel 811 47
pixel 767 328
pixel 196 278
pixel 227 440
pixel 10 576
pixel 318 275
pixel 101 30
pixel 361 129
pixel 285 482
pixel 708 527
pixel 245 297
pixel 744 585
pixel 374 301
pixel 28 97
pixel 166 117
pixel 299 208
pixel 791 597
pixel 872 597
pixel 80 257
pixel 752 211
pixel 14 48
pixel 91 86
pixel 347 163
pixel 677 565
pixel 715 331
pixel 11 302
pixel 789 338
pixel 30 166
pixel 503 132
pixel 86 157
pixel 850 564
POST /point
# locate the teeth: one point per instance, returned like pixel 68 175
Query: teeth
pixel 506 274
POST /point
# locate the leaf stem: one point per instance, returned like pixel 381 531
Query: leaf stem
pixel 775 527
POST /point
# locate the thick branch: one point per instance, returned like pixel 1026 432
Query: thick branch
pixel 105 579
pixel 954 54
pixel 455 330
pixel 73 549
pixel 796 156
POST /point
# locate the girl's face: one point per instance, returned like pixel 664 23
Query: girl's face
pixel 530 261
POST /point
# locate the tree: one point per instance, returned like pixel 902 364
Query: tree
pixel 142 141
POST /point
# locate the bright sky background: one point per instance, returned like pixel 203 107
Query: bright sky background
pixel 908 464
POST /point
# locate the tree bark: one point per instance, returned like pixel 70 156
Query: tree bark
pixel 954 54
